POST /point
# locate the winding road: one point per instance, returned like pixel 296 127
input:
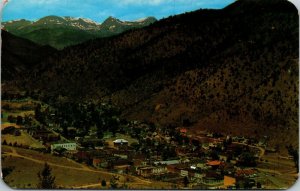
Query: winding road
pixel 136 180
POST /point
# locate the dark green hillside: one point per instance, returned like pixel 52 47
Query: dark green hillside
pixel 14 26
pixel 20 56
pixel 59 37
pixel 233 70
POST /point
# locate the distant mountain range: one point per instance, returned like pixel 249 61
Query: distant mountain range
pixel 233 70
pixel 60 32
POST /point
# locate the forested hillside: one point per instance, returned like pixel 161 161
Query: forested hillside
pixel 20 56
pixel 231 70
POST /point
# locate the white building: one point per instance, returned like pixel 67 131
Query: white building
pixel 68 146
pixel 119 142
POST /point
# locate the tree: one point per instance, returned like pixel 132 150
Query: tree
pixel 258 185
pixel 38 113
pixel 6 171
pixel 214 155
pixel 185 181
pixel 27 120
pixel 19 120
pixel 294 153
pixel 11 119
pixel 46 180
pixel 103 183
pixel 114 182
pixel 196 143
pixel 247 159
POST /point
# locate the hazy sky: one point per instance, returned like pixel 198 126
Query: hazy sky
pixel 99 10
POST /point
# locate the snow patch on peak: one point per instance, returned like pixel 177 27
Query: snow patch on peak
pixel 71 18
pixel 89 21
pixel 77 19
pixel 141 20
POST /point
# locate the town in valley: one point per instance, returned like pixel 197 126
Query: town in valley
pixel 133 154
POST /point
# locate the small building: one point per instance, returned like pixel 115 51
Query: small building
pixel 145 171
pixel 160 169
pixel 223 158
pixel 183 131
pixel 96 162
pixel 184 173
pixel 120 142
pixel 149 171
pixel 229 182
pixel 168 162
pixel 214 163
pixel 70 146
pixel 213 179
pixel 246 173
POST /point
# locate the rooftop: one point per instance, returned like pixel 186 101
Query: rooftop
pixel 120 141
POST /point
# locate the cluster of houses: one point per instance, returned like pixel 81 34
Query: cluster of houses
pixel 199 171
pixel 192 164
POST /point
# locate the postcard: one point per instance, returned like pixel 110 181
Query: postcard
pixel 149 94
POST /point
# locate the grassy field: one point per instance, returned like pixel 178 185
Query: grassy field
pixel 27 163
pixel 25 172
pixel 68 173
pixel 277 173
pixel 46 157
pixel 23 139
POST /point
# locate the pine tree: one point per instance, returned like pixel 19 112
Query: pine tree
pixel 46 180
pixel 114 182
pixel 185 181
pixel 103 183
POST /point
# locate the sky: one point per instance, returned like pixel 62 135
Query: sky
pixel 99 10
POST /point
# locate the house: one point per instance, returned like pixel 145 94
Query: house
pixel 82 156
pixel 70 146
pixel 160 169
pixel 149 171
pixel 184 173
pixel 246 173
pixel 223 158
pixel 215 163
pixel 229 182
pixel 199 175
pixel 139 162
pixel 96 162
pixel 145 171
pixel 168 162
pixel 172 168
pixel 201 165
pixel 120 142
pixel 122 169
pixel 213 179
pixel 183 131
pixel 43 134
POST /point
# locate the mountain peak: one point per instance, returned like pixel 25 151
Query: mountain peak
pixel 52 19
pixel 152 19
pixel 112 19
